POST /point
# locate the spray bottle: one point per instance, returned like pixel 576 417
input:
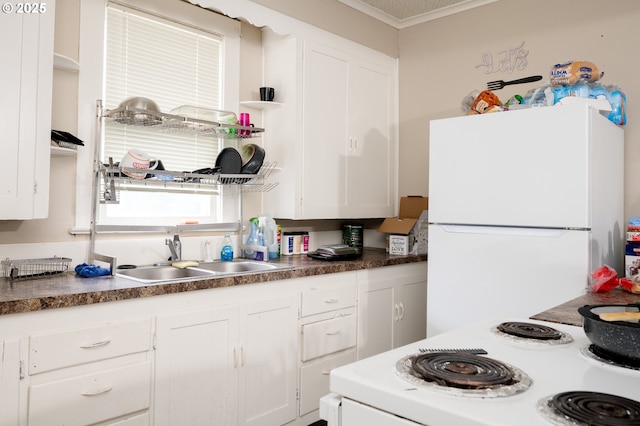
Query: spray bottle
pixel 252 239
pixel 226 254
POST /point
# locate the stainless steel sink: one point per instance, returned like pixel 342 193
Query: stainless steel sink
pixel 165 273
pixel 239 266
pixel 153 274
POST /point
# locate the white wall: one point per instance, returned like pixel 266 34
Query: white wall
pixel 439 66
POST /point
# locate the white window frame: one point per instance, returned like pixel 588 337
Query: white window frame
pixel 91 60
pixel 159 208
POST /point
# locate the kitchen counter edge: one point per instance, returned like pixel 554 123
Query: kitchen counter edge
pixel 71 290
pixel 567 313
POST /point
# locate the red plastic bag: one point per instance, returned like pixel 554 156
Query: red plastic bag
pixel 604 279
pixel 626 284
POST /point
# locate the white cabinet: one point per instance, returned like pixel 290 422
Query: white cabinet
pixel 228 365
pixel 25 111
pixel 328 335
pixel 392 306
pixel 334 136
pixel 256 354
pixel 196 368
pixel 101 373
pixel 314 379
pixel 93 397
pixel 268 360
pixel 9 382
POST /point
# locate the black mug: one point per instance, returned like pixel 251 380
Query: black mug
pixel 267 93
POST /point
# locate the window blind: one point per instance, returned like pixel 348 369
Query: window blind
pixel 171 64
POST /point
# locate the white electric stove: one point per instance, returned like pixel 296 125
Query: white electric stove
pixel 529 388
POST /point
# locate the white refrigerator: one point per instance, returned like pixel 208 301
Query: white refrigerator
pixel 523 206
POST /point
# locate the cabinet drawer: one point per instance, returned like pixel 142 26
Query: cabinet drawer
pixel 74 347
pixel 317 301
pixel 325 337
pixel 134 420
pixel 314 380
pixel 91 398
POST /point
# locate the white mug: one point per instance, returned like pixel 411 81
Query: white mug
pixel 136 159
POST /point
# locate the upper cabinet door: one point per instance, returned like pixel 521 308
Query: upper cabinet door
pixel 335 136
pixel 325 153
pixel 372 165
pixel 25 112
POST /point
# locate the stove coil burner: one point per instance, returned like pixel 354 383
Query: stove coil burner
pixel 602 355
pixel 461 370
pixel 590 409
pixel 530 332
pixel 462 374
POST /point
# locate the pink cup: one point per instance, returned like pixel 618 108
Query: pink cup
pixel 245 120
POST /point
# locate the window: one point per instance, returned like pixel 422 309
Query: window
pixel 174 65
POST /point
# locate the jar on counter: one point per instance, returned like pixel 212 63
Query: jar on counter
pixel 353 236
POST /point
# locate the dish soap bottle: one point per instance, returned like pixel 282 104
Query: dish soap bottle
pixel 226 254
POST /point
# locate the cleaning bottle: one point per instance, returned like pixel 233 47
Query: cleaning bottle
pixel 261 225
pixel 226 254
pixel 252 239
pixel 271 239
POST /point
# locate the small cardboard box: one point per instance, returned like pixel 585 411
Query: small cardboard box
pixel 409 230
pixel 631 266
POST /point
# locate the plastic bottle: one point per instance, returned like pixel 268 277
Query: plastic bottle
pixel 252 239
pixel 271 239
pixel 261 225
pixel 226 254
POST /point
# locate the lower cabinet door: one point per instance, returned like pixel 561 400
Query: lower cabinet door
pixel 314 379
pixel 196 370
pixel 413 313
pixel 268 362
pixel 91 398
pixel 9 382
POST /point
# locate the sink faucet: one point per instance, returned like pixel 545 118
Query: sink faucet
pixel 175 246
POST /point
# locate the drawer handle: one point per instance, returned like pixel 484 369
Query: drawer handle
pixel 96 344
pixel 326 372
pixel 333 333
pixel 98 391
pixel 333 300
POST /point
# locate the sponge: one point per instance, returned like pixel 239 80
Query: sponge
pixel 184 264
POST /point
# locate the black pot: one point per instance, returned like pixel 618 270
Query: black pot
pixel 616 338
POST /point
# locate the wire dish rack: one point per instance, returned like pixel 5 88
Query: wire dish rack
pixel 24 269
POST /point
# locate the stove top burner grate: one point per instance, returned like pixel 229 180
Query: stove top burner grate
pixel 536 334
pixel 463 374
pixel 590 409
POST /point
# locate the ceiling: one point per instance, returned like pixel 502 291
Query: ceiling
pixel 404 13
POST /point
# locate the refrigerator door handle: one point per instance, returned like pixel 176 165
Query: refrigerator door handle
pixel 504 230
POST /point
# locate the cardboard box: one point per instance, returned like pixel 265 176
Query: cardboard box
pixel 408 232
pixel 631 266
